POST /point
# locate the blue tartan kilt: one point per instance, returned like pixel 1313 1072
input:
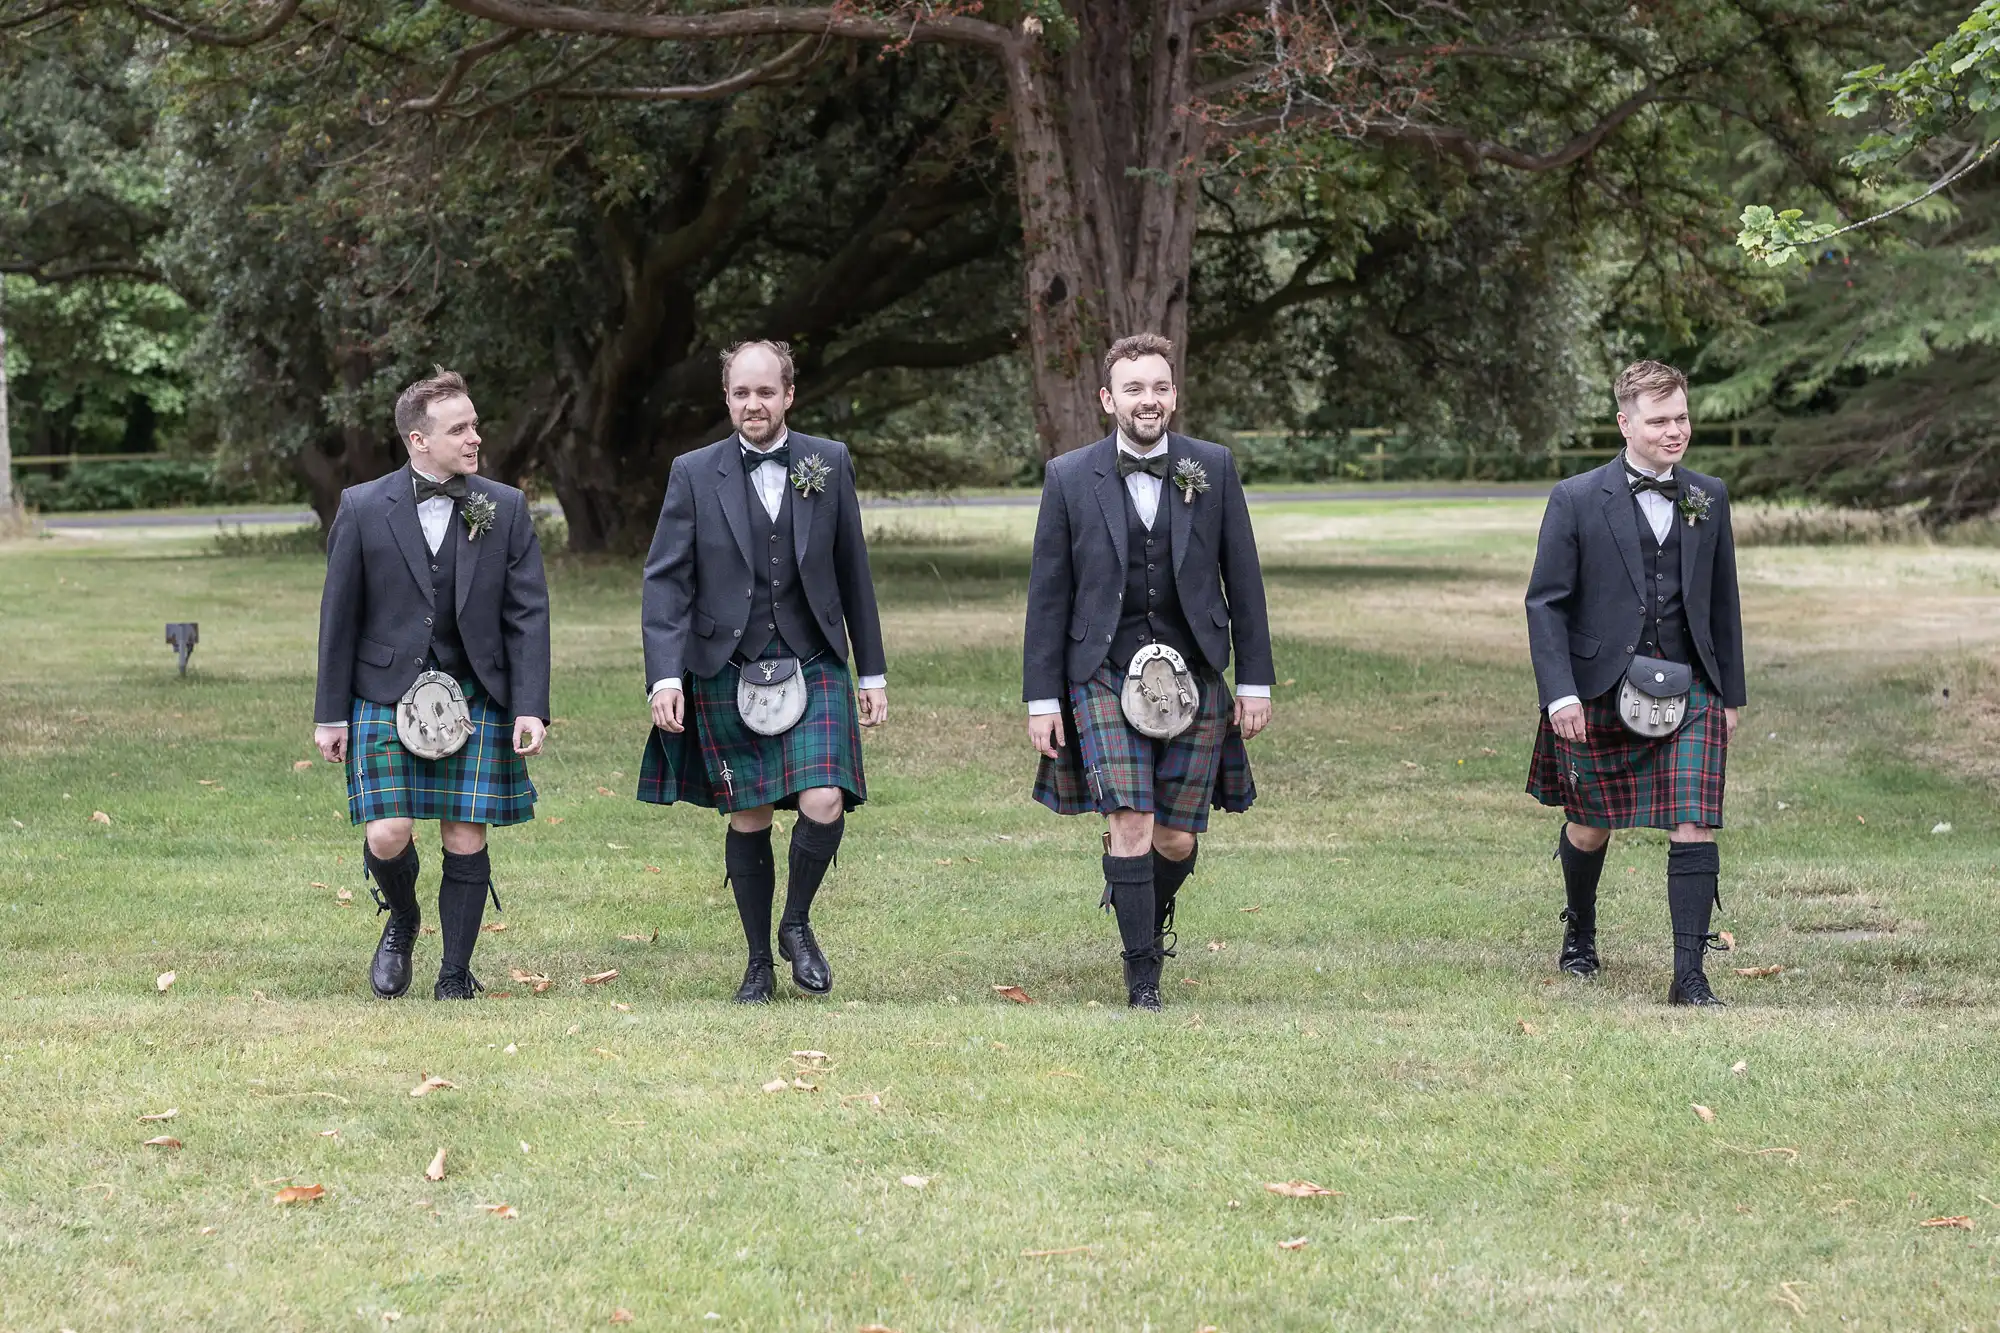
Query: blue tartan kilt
pixel 718 762
pixel 484 783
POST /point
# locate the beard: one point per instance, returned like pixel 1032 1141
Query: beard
pixel 761 433
pixel 1147 434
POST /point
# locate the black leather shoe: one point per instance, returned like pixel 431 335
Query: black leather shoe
pixel 1579 950
pixel 759 983
pixel 389 974
pixel 460 985
pixel 797 946
pixel 1142 981
pixel 1692 988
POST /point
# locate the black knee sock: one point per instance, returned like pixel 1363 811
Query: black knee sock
pixel 395 881
pixel 468 878
pixel 753 878
pixel 1128 883
pixel 1581 871
pixel 1168 876
pixel 814 846
pixel 1693 874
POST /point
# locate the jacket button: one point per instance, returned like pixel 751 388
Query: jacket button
pixel 427 620
pixel 774 559
pixel 417 661
pixel 1629 647
pixel 1107 638
pixel 434 569
pixel 737 632
pixel 771 626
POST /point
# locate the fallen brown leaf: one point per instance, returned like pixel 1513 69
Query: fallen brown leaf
pixel 164 980
pixel 605 791
pixel 800 1085
pixel 99 817
pixel 505 1210
pixel 160 1115
pixel 875 1328
pixel 427 930
pixel 1299 1189
pixel 329 1133
pixel 164 1141
pixel 301 765
pixel 1014 993
pixel 944 860
pixel 430 1085
pixel 1295 1243
pixel 1707 1116
pixel 1258 908
pixel 1771 970
pixel 609 1055
pixel 1527 1029
pixel 653 870
pixel 435 1171
pixel 915 1182
pixel 555 819
pixel 1728 940
pixel 299 1194
pixel 209 782
pixel 1739 1067
pixel 344 896
pixel 619 846
pixel 621 1007
pixel 642 939
pixel 599 978
pixel 536 980
pixel 494 927
pixel 1216 946
pixel 810 1056
pixel 1962 1223
pixel 621 1316
pixel 776 1085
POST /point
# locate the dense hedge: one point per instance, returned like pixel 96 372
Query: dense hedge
pixel 144 484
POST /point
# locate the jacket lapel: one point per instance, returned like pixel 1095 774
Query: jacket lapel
pixel 1619 512
pixel 1110 492
pixel 802 514
pixel 1691 535
pixel 733 492
pixel 1181 511
pixel 409 530
pixel 461 539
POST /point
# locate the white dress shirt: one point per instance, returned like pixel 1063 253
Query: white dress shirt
pixel 435 516
pixel 770 480
pixel 1659 512
pixel 1145 490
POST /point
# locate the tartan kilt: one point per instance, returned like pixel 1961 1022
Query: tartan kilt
pixel 484 783
pixel 1615 779
pixel 1108 765
pixel 718 762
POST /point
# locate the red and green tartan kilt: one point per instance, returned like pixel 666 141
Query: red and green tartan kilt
pixel 1615 779
pixel 1109 766
pixel 718 762
pixel 484 783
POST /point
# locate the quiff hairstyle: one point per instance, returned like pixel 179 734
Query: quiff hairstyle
pixel 783 351
pixel 413 405
pixel 1135 345
pixel 1645 377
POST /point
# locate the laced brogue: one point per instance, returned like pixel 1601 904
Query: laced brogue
pixel 797 946
pixel 1579 947
pixel 759 983
pixel 457 985
pixel 389 974
pixel 1692 988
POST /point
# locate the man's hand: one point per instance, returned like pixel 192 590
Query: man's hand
pixel 1729 720
pixel 332 743
pixel 1568 723
pixel 874 707
pixel 1045 732
pixel 528 734
pixel 667 706
pixel 1252 715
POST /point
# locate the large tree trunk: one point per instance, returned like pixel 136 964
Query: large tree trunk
pixel 343 455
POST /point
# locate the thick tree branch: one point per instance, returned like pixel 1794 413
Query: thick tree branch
pixel 908 354
pixel 34 15
pixel 461 67
pixel 776 69
pixel 826 21
pixel 210 37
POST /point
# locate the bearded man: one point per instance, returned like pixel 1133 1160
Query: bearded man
pixel 1636 632
pixel 1144 571
pixel 433 673
pixel 756 583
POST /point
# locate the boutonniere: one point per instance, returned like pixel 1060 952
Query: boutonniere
pixel 478 511
pixel 1695 504
pixel 809 475
pixel 1191 477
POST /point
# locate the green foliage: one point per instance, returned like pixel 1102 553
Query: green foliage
pixel 147 484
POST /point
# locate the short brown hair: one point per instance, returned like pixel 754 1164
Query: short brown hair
pixel 1646 377
pixel 781 350
pixel 1135 345
pixel 413 405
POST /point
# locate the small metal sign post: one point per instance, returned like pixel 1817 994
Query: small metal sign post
pixel 182 637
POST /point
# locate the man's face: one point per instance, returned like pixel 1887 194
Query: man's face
pixel 1141 396
pixel 450 448
pixel 758 396
pixel 1656 429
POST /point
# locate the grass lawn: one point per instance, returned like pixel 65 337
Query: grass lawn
pixel 1365 997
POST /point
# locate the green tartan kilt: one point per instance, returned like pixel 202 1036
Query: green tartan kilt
pixel 484 783
pixel 1615 779
pixel 718 762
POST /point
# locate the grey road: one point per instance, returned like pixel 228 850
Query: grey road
pixel 1026 499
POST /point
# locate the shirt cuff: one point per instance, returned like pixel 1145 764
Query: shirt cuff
pixel 663 683
pixel 341 723
pixel 1253 691
pixel 874 683
pixel 1043 707
pixel 1563 703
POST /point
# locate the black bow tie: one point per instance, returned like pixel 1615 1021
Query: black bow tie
pixel 454 487
pixel 782 456
pixel 1670 487
pixel 1156 466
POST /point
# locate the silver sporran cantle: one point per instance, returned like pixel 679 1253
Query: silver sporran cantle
pixel 432 720
pixel 771 695
pixel 1653 697
pixel 1160 697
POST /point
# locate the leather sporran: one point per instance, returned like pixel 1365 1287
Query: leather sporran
pixel 1160 697
pixel 432 720
pixel 1653 697
pixel 771 695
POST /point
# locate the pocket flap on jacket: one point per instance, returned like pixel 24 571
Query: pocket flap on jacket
pixel 703 625
pixel 373 653
pixel 1079 628
pixel 1582 645
pixel 1220 614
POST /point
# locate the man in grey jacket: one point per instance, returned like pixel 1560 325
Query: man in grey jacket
pixel 1634 590
pixel 1144 539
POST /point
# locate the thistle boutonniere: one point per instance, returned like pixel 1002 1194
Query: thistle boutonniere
pixel 1191 477
pixel 478 511
pixel 809 475
pixel 1695 504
